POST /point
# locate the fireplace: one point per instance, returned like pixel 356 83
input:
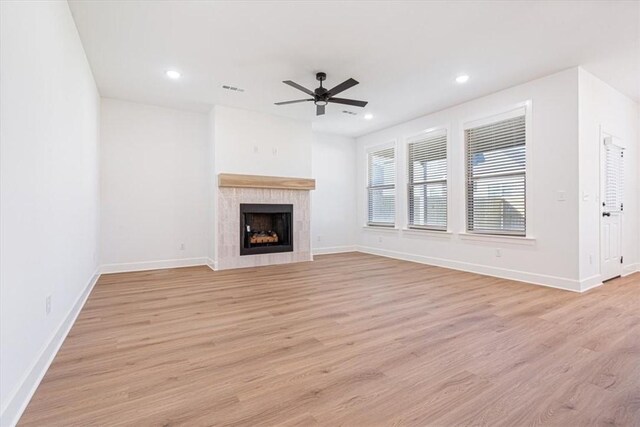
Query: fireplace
pixel 265 228
pixel 240 195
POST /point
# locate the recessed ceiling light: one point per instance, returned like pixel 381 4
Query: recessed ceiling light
pixel 173 74
pixel 462 78
pixel 368 116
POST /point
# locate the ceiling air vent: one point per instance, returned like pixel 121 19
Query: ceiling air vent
pixel 236 89
pixel 351 113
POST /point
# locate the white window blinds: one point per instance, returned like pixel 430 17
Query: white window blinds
pixel 428 182
pixel 496 166
pixel 614 178
pixel 381 187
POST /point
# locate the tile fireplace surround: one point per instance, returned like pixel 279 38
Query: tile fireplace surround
pixel 236 189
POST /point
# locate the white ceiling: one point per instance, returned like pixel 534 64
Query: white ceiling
pixel 405 55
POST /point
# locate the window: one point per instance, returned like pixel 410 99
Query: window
pixel 496 171
pixel 381 187
pixel 428 182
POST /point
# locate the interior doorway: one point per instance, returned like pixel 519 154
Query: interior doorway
pixel 612 206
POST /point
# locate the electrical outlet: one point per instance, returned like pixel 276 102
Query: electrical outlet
pixel 182 246
pixel 379 239
pixel 319 238
pixel 255 149
pixel 48 305
pixel 590 259
pixel 498 253
pixel 562 195
pixel 274 151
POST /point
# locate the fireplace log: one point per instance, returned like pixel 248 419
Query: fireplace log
pixel 263 238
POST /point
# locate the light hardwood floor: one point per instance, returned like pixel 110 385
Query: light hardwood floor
pixel 350 339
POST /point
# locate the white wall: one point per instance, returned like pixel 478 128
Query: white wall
pixel 550 259
pixel 49 191
pixel 333 202
pixel 602 107
pixel 247 142
pixel 154 181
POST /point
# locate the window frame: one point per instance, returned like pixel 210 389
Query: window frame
pixel 375 148
pixel 516 110
pixel 422 136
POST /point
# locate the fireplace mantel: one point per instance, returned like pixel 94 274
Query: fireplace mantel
pixel 260 181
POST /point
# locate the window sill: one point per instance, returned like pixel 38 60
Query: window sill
pixel 426 232
pixel 381 228
pixel 514 240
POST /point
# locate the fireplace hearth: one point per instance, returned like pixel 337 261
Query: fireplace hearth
pixel 265 228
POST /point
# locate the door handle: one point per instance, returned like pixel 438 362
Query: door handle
pixel 606 213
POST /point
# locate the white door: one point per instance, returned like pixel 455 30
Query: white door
pixel 611 197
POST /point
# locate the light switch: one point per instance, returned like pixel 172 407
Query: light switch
pixel 562 196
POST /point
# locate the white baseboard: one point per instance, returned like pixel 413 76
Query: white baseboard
pixel 596 280
pixel 630 269
pixel 17 403
pixel 212 264
pixel 154 265
pixel 590 283
pixel 333 250
pixel 503 273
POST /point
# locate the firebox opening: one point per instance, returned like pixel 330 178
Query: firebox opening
pixel 265 228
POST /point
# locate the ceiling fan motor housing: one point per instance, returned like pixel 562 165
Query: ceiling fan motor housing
pixel 320 92
pixel 321 95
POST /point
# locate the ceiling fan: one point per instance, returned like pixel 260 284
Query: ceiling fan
pixel 322 96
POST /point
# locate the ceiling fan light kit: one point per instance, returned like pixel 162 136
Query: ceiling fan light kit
pixel 321 96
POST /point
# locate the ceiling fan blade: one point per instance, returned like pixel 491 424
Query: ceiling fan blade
pixel 353 102
pixel 293 102
pixel 297 86
pixel 319 110
pixel 342 87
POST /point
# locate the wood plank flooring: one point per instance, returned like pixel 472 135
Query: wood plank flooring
pixel 350 339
